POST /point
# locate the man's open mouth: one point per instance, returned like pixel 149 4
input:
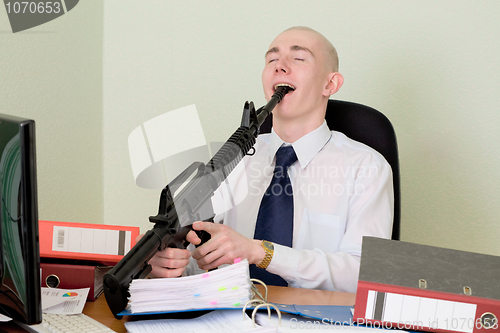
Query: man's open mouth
pixel 284 85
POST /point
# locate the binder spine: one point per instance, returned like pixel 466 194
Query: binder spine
pixel 390 306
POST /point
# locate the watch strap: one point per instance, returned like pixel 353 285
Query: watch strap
pixel 269 255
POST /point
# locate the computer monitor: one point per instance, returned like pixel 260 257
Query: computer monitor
pixel 20 285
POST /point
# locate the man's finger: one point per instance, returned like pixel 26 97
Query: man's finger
pixel 193 238
pixel 206 226
pixel 166 272
pixel 173 253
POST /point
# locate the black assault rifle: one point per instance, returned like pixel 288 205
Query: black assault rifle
pixel 178 211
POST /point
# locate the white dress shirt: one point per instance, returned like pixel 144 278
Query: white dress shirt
pixel 342 190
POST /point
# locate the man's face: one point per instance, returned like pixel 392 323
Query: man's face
pixel 297 58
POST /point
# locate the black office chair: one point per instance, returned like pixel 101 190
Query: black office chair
pixel 368 126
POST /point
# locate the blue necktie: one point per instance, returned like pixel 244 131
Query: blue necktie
pixel 275 218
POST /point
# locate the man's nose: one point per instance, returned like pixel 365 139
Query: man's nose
pixel 281 67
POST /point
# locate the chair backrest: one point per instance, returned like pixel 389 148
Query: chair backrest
pixel 368 126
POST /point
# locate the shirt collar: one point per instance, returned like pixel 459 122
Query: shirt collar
pixel 306 147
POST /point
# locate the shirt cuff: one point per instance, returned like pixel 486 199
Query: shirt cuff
pixel 285 262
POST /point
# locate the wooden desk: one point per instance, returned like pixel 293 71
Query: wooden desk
pixel 99 309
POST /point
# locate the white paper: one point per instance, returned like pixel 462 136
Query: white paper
pixel 64 301
pixel 4 318
pixel 220 321
pixel 223 288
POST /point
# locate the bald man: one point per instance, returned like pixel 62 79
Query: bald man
pixel 342 189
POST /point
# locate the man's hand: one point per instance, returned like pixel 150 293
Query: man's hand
pixel 170 262
pixel 224 246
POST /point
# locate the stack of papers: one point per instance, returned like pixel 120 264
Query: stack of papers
pixel 223 288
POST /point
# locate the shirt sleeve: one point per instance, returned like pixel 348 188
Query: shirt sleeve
pixel 370 213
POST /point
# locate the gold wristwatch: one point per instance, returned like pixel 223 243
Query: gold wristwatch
pixel 269 249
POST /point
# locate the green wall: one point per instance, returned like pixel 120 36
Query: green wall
pixel 93 75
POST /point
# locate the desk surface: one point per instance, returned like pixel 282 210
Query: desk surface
pixel 99 309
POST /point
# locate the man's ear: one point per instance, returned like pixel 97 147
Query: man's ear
pixel 335 81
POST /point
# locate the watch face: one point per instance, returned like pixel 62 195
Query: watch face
pixel 268 245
